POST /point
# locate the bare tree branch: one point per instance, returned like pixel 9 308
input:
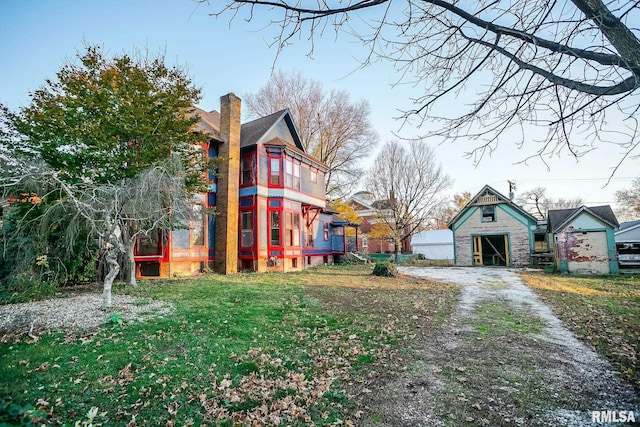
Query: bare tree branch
pixel 572 66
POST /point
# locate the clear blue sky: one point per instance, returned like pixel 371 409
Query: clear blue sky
pixel 38 36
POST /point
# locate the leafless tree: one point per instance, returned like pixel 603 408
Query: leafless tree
pixel 628 201
pixel 572 66
pixel 332 127
pixel 145 204
pixel 408 183
pixel 539 204
pixel 446 212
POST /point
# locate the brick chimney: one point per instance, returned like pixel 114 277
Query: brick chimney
pixel 227 201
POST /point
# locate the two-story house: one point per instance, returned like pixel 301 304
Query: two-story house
pixel 269 199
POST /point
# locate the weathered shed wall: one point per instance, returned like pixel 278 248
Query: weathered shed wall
pixel 586 246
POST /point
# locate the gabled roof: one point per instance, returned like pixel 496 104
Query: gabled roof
pixel 489 195
pixel 558 218
pixel 209 123
pixel 629 225
pixel 252 131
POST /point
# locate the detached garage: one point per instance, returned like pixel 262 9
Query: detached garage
pixel 584 240
pixel 491 230
pixel 433 244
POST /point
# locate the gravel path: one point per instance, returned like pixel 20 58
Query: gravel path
pixel 72 313
pixel 543 378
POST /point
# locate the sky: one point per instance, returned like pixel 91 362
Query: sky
pixel 37 37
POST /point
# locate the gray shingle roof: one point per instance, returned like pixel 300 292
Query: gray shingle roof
pixel 209 123
pixel 558 217
pixel 252 131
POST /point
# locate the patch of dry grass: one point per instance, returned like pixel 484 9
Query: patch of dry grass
pixel 602 311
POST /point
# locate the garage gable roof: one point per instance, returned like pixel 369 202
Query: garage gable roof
pixel 559 218
pixel 490 196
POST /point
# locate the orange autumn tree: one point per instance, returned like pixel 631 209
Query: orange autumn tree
pixel 346 212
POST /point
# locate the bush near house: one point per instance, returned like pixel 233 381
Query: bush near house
pixel 385 269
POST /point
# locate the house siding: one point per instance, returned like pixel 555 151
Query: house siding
pixel 628 235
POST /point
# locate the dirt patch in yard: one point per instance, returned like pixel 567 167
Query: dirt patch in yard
pixel 503 358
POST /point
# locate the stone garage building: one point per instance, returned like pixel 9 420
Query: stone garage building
pixel 491 230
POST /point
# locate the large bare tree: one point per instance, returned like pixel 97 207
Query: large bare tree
pixel 332 127
pixel 628 201
pixel 539 204
pixel 408 184
pixel 571 66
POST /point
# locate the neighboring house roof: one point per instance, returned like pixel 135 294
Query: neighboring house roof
pixel 481 199
pixel 628 232
pixel 209 123
pixel 359 203
pixel 382 204
pixel 629 224
pixel 558 218
pixel 432 237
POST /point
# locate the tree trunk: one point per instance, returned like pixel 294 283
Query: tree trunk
pixel 396 250
pixel 111 257
pixel 130 263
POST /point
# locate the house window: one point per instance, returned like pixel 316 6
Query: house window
pixel 193 233
pixel 198 226
pixel 247 170
pixel 313 175
pixel 291 174
pixel 275 172
pixel 325 231
pixel 292 229
pixel 488 213
pixel 246 239
pixel 296 176
pixel 288 173
pixel 275 228
pixel 149 244
pixel 365 242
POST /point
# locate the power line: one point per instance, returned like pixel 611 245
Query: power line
pixel 575 179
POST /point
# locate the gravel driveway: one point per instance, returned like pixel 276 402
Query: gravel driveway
pixel 503 359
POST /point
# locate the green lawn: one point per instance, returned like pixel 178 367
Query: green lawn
pixel 288 349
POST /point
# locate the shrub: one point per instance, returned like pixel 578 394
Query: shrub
pixel 385 269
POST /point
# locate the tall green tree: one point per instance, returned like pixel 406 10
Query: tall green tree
pixel 107 118
pixel 99 126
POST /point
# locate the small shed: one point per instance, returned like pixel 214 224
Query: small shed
pixel 433 244
pixel 491 230
pixel 584 239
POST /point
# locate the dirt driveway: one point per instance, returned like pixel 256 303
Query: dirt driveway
pixel 503 359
